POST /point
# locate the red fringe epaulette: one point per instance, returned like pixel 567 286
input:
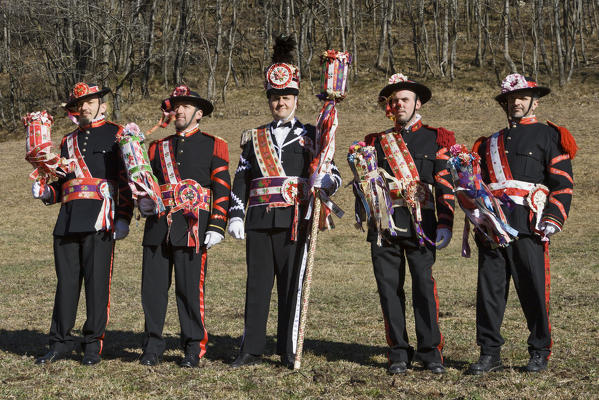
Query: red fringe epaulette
pixel 566 140
pixel 477 144
pixel 445 138
pixel 371 138
pixel 221 148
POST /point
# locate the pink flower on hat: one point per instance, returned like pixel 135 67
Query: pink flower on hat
pixel 513 82
pixel 396 78
pixel 182 90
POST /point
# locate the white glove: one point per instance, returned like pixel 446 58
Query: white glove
pixel 35 191
pixel 323 181
pixel 548 228
pixel 237 228
pixel 121 229
pixel 146 206
pixel 443 238
pixel 212 238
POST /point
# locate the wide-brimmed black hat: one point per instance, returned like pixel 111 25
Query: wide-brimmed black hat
pixel 83 90
pixel 515 83
pixel 183 93
pixel 401 82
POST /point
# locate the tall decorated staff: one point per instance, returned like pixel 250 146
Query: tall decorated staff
pixel 481 208
pixel 142 181
pixel 335 71
pixel 48 165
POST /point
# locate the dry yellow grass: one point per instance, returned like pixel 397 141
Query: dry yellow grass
pixel 344 351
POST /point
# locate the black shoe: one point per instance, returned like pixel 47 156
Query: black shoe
pixel 149 359
pixel 537 363
pixel 49 357
pixel 245 359
pixel 288 360
pixel 90 359
pixel 398 367
pixel 191 360
pixel 486 363
pixel 435 367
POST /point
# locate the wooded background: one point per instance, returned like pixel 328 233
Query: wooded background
pixel 144 46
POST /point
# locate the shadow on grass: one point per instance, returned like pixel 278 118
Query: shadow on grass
pixel 126 346
pixel 354 352
pixel 123 345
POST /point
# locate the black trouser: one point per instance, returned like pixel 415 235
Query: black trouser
pixel 190 277
pixel 389 262
pixel 270 254
pixel 77 258
pixel 526 262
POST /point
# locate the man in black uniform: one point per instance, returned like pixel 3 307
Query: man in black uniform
pixel 192 168
pixel 272 176
pixel 416 153
pixel 531 163
pixel 96 209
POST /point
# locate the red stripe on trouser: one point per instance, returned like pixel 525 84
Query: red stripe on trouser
pixel 201 287
pixel 388 336
pixel 108 305
pixel 547 290
pixel 441 339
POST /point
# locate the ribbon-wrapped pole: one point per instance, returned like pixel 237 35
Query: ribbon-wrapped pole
pixel 335 71
pixel 142 181
pixel 48 166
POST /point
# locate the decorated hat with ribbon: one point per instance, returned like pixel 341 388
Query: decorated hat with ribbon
pixel 282 77
pixel 83 91
pixel 515 83
pixel 401 82
pixel 184 93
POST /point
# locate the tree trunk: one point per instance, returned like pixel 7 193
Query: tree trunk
pixel 506 37
pixel 558 43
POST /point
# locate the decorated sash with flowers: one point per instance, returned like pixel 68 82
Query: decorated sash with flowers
pixel 373 195
pixel 142 181
pixel 274 188
pixel 407 180
pixel 184 195
pixel 534 196
pixel 85 186
pixel 481 207
pixel 48 166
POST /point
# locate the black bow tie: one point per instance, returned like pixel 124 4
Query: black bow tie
pixel 285 125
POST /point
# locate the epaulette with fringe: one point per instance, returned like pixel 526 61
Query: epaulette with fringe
pixel 371 138
pixel 221 147
pixel 445 138
pixel 246 136
pixel 566 140
pixel 477 144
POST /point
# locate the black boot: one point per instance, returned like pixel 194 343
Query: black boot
pixel 486 363
pixel 537 363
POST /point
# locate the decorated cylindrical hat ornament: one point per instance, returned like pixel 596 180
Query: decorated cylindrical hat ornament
pixel 139 171
pixel 334 74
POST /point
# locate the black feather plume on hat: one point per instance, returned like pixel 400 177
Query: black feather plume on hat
pixel 283 49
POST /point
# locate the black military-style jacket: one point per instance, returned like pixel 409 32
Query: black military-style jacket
pixel 429 149
pixel 102 155
pixel 205 159
pixel 296 154
pixel 534 154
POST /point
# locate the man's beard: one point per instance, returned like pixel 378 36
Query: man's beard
pixel 84 120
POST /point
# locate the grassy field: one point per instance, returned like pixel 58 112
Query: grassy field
pixel 345 347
